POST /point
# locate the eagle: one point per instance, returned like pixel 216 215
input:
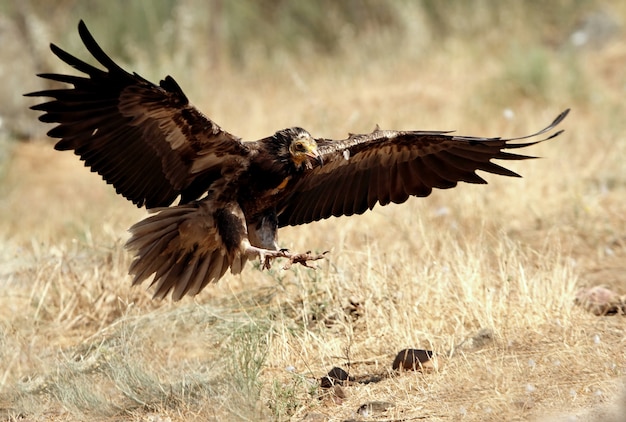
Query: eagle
pixel 155 147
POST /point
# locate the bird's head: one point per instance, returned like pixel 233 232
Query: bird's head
pixel 301 147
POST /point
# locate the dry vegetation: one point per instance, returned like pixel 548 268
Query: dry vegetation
pixel 505 260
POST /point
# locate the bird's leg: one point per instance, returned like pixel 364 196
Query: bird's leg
pixel 266 256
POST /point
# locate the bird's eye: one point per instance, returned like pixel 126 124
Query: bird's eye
pixel 300 147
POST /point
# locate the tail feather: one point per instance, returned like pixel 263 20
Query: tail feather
pixel 182 284
pixel 184 250
pixel 196 283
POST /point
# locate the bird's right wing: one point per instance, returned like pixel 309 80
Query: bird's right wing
pixel 146 140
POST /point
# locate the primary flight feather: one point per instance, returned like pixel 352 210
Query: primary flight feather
pixel 153 146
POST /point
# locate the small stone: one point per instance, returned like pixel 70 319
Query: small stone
pixel 335 376
pixel 600 301
pixel 411 359
pixel 373 408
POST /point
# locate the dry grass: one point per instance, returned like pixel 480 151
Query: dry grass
pixel 77 342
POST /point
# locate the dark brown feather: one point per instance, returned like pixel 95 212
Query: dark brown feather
pixel 185 247
pixel 145 140
pixel 389 166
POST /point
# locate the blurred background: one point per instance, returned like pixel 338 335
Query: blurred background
pixel 532 45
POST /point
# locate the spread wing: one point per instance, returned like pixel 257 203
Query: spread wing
pixel 145 140
pixel 389 166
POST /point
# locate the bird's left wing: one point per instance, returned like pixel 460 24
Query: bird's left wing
pixel 389 166
pixel 146 140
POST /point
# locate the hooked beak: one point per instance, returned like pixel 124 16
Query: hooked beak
pixel 315 154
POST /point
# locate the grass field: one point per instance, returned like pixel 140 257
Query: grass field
pixel 485 276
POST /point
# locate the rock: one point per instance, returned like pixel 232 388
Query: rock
pixel 600 301
pixel 412 359
pixel 374 408
pixel 335 376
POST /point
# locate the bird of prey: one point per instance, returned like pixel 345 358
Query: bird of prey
pixel 153 146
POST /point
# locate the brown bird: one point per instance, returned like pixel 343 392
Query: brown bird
pixel 153 146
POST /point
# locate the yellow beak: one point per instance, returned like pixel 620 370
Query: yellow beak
pixel 315 154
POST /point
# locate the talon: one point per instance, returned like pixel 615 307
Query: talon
pixel 303 259
pixel 266 256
